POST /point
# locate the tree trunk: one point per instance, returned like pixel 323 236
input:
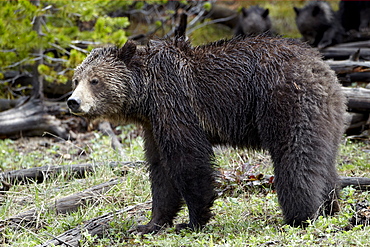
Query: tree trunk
pixel 37 78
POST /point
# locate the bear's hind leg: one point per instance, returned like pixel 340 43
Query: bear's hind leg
pixel 302 129
pixel 306 179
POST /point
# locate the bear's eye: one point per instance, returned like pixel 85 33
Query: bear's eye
pixel 75 82
pixel 94 81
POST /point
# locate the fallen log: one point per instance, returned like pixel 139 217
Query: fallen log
pixel 350 71
pixel 356 122
pixel 347 66
pixel 97 226
pixel 64 205
pixel 6 104
pixel 342 53
pixel 30 119
pixel 358 77
pixel 358 99
pixel 40 174
pixel 92 195
pixel 235 178
pixel 94 227
pixel 355 44
pixel 358 183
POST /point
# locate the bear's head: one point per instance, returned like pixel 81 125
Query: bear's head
pixel 102 83
pixel 254 20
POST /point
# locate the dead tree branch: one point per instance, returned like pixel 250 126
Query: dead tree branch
pixel 358 99
pixel 94 227
pixel 31 119
pixel 40 174
pixel 106 128
pixel 61 206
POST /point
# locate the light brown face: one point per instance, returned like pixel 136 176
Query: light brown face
pixel 103 83
pixel 82 100
pixel 87 81
pixel 99 90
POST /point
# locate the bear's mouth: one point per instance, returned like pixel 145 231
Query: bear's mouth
pixel 78 113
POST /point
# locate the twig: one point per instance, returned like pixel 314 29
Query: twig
pixel 60 48
pixel 60 240
pixel 106 128
pixel 63 205
pixel 94 226
pixel 79 49
pixel 210 22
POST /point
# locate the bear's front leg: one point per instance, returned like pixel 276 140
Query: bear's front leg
pixel 193 175
pixel 180 158
pixel 167 199
pixel 183 173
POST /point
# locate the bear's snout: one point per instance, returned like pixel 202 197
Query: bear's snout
pixel 74 104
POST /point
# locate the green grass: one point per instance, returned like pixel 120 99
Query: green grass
pixel 247 217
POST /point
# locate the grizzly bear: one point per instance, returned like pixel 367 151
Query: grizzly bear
pixel 252 21
pixel 253 92
pixel 319 24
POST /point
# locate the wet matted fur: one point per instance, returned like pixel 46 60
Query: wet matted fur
pixel 254 92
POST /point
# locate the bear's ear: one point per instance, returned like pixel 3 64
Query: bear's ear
pixel 127 51
pixel 265 13
pixel 244 12
pixel 316 10
pixel 297 11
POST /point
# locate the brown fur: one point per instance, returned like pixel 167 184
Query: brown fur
pixel 260 92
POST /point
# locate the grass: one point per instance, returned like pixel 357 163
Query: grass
pixel 246 217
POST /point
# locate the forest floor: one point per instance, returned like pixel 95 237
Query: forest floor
pixel 244 215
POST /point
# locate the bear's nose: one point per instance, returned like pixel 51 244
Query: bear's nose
pixel 74 104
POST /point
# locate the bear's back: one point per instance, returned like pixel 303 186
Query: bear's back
pixel 231 86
